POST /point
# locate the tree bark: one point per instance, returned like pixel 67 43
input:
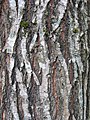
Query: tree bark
pixel 44 60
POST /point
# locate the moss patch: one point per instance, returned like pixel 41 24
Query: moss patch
pixel 75 30
pixel 24 24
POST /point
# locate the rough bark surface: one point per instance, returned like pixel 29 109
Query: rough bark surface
pixel 44 60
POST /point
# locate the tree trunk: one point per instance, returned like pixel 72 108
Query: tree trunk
pixel 44 59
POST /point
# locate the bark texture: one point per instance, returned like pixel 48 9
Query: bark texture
pixel 44 59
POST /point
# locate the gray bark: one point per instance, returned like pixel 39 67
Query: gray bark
pixel 45 60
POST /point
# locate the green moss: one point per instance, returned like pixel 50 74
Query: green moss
pixel 24 24
pixel 44 29
pixel 75 30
